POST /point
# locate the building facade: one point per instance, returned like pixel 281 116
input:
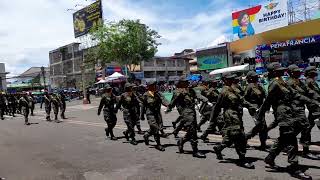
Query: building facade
pixel 3 84
pixel 164 69
pixel 66 67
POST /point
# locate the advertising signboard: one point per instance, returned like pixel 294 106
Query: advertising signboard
pixel 86 18
pixel 261 18
pixel 212 62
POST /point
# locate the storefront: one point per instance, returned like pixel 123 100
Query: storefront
pixel 300 51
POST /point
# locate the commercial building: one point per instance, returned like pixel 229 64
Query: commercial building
pixel 66 67
pixel 35 78
pixel 3 84
pixel 164 69
pixel 297 43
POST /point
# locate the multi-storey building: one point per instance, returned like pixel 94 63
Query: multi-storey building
pixel 66 67
pixel 3 85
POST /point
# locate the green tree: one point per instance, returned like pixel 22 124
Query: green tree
pixel 127 42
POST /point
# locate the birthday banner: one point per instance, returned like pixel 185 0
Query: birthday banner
pixel 258 19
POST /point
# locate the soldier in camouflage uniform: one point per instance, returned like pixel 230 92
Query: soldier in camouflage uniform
pixel 12 105
pixel 212 94
pixel 255 95
pixel 129 103
pixel 151 106
pixel 47 105
pixel 280 97
pixel 55 106
pixel 313 92
pixel 185 100
pixel 24 105
pixel 63 106
pixel 2 105
pixel 108 103
pixel 31 103
pixel 138 108
pixel 232 104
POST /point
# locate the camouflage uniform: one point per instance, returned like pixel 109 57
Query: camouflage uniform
pixel 313 92
pixel 31 103
pixel 2 106
pixel 55 106
pixel 232 104
pixel 185 100
pixel 129 103
pixel 12 104
pixel 47 106
pixel 151 106
pixel 107 103
pixel 255 95
pixel 62 99
pixel 281 97
pixel 25 108
pixel 138 108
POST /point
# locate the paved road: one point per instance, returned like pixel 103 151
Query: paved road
pixel 77 149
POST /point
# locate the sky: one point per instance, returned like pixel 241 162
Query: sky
pixel 29 29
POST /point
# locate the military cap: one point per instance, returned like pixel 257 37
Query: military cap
pixel 151 83
pixel 127 85
pixel 275 66
pixel 310 69
pixel 251 74
pixel 294 68
pixel 108 86
pixel 228 76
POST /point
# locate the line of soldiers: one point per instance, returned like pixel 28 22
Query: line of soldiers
pixel 287 99
pixel 24 103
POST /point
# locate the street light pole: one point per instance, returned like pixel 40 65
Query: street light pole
pixel 44 77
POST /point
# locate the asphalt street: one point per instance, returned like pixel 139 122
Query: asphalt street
pixel 78 150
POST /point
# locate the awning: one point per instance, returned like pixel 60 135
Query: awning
pixel 230 69
pixel 101 81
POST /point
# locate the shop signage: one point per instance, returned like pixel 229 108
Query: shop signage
pixel 295 42
pixel 212 62
pixel 261 18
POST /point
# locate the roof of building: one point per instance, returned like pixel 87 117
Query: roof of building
pixel 64 47
pixel 33 72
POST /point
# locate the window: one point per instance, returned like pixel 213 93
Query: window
pixel 171 63
pixel 180 63
pixel 160 63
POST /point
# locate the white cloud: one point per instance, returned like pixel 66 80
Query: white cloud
pixel 30 29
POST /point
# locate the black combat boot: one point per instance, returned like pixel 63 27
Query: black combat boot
pixel 158 146
pixel 245 164
pixel 307 154
pixel 107 131
pixel 204 137
pixel 146 138
pixel 112 137
pixel 195 150
pixel 163 134
pixel 270 161
pixel 125 133
pixel 133 142
pixel 217 150
pixel 180 144
pixel 174 125
pixel 139 129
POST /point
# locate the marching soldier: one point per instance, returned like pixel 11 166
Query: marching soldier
pixel 280 97
pixel 231 101
pixel 185 100
pixel 31 103
pixel 55 105
pixel 12 104
pixel 62 99
pixel 255 95
pixel 108 103
pixel 138 108
pixel 212 95
pixel 2 106
pixel 129 103
pixel 313 92
pixel 25 108
pixel 151 106
pixel 47 105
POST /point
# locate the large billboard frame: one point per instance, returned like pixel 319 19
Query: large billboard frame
pixel 86 18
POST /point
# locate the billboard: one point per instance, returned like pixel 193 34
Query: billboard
pixel 258 19
pixel 211 62
pixel 86 18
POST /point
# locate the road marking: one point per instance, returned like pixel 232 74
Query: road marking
pixel 216 138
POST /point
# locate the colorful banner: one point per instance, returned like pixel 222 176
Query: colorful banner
pixel 212 62
pixel 258 19
pixel 295 42
pixel 86 18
